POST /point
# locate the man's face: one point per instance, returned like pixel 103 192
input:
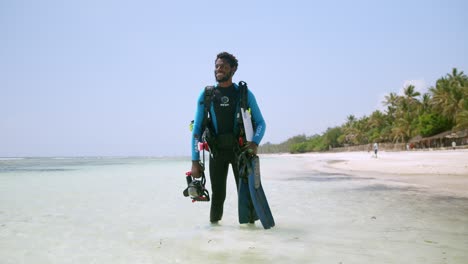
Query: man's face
pixel 223 71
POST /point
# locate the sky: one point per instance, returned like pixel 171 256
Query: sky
pixel 121 78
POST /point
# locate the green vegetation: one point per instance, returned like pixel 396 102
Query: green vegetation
pixel 443 108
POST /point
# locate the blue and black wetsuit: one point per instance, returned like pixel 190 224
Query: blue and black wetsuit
pixel 224 110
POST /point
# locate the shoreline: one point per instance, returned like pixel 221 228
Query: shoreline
pixel 443 172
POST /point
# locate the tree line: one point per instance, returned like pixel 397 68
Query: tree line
pixel 444 107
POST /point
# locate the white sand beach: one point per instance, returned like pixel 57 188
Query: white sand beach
pixel 437 171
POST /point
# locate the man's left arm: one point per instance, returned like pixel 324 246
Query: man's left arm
pixel 257 118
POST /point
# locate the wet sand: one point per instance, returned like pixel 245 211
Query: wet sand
pixel 444 171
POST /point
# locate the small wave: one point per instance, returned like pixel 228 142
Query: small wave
pixel 33 170
pixel 12 158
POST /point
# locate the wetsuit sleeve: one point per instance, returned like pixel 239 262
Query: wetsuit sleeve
pixel 257 118
pixel 196 131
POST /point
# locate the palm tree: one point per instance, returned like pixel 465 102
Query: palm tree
pixel 462 120
pixel 413 105
pixel 349 131
pixel 460 81
pixel 449 96
pixel 425 106
pixel 350 120
pixel 401 131
pixel 391 101
pixel 457 79
pixel 443 100
pixel 411 93
pixel 376 124
pixel 376 119
pixel 361 129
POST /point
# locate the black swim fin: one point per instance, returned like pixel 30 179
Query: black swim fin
pixel 253 203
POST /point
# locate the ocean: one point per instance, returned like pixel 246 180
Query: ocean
pixel 131 210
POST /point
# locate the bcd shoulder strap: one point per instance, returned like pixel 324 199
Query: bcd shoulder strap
pixel 208 97
pixel 243 95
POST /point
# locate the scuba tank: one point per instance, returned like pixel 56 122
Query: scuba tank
pixel 247 122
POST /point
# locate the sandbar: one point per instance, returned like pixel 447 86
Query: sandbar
pixel 440 171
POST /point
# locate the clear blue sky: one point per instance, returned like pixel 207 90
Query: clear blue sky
pixel 91 77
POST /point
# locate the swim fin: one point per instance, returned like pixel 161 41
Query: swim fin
pixel 253 203
pixel 246 210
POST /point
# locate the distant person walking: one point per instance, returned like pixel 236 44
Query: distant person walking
pixel 376 148
pixel 454 145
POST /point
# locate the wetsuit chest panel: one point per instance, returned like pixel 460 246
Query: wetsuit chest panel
pixel 225 104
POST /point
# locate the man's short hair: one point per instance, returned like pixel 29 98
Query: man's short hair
pixel 229 58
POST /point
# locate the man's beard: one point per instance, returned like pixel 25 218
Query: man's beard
pixel 225 78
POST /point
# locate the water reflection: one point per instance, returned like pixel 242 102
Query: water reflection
pixel 327 177
pixel 384 187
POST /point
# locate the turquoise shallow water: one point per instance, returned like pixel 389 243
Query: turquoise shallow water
pixel 131 210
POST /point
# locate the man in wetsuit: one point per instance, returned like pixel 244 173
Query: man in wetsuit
pixel 224 142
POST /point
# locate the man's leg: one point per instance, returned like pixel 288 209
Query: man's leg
pixel 218 175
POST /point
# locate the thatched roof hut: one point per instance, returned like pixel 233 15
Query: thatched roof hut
pixel 443 139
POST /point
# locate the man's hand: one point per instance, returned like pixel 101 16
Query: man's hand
pixel 197 169
pixel 252 148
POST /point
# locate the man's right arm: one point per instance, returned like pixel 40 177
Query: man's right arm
pixel 196 131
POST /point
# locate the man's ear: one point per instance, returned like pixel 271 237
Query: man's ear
pixel 234 69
